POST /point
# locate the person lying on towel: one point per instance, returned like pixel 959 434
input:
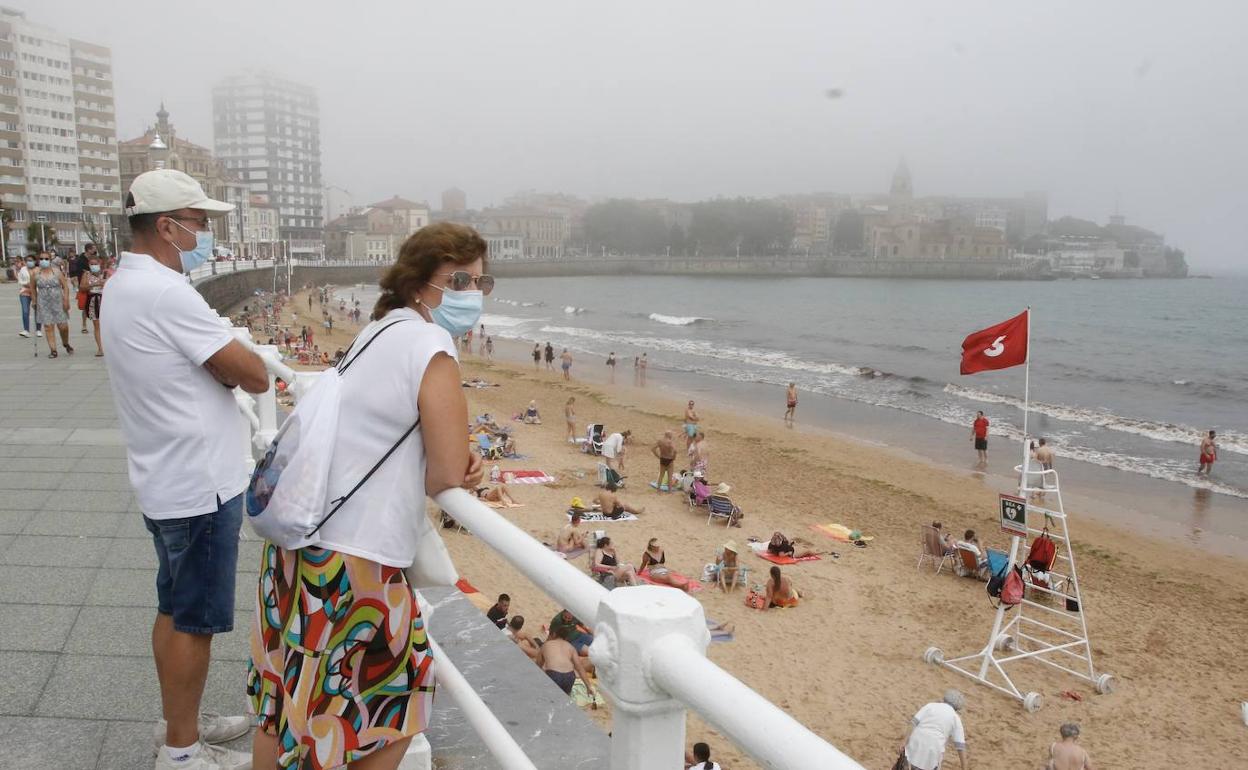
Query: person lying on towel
pixel 798 548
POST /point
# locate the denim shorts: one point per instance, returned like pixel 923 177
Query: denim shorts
pixel 198 556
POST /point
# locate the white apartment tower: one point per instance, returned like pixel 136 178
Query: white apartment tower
pixel 58 137
pixel 268 132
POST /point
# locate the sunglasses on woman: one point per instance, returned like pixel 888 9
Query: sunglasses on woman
pixel 462 279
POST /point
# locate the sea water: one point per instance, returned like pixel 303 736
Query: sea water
pixel 1125 375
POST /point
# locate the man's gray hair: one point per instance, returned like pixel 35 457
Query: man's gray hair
pixel 1069 730
pixel 955 699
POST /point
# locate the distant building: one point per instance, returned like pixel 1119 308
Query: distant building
pixel 505 247
pixel 454 201
pixel 1088 255
pixel 1144 247
pixel 910 238
pixel 814 217
pixel 268 133
pixel 160 147
pixel 375 232
pixel 58 135
pixel 544 233
pixel 261 228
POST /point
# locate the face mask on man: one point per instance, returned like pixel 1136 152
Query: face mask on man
pixel 198 255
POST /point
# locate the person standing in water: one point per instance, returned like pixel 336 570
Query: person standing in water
pixel 979 435
pixel 1208 453
pixel 565 363
pixel 611 366
pixel 643 369
pixel 537 356
pixel 550 357
pixel 790 400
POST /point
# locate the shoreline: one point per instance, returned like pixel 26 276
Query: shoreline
pixel 836 661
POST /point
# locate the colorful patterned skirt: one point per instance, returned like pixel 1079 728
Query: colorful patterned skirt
pixel 340 664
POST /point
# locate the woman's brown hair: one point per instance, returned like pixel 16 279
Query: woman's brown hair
pixel 421 255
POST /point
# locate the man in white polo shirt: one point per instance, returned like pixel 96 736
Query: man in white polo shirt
pixel 173 366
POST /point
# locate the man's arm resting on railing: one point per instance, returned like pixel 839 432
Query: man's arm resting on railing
pixel 236 365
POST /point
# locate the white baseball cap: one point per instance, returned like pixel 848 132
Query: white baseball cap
pixel 165 189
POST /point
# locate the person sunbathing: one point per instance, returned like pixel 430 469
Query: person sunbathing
pixel 571 538
pixel 780 591
pixel 559 659
pixel 606 563
pixel 531 415
pixel 499 496
pixel 612 506
pixel 654 567
pixel 527 644
pixel 798 548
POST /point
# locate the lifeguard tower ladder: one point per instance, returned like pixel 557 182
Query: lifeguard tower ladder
pixel 1050 625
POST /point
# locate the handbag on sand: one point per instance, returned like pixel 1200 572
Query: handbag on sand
pixel 755 600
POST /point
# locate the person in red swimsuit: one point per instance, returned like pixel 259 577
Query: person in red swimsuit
pixel 1208 453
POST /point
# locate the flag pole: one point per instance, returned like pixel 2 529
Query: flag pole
pixel 1022 481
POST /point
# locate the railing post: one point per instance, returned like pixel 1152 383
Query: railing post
pixel 648 726
pixel 266 402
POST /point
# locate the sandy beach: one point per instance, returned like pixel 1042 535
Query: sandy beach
pixel 1167 620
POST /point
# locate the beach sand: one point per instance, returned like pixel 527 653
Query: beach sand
pixel 1166 620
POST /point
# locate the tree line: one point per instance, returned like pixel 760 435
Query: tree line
pixel 720 227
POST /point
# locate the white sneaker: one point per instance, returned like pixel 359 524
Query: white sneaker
pixel 24 333
pixel 213 728
pixel 209 758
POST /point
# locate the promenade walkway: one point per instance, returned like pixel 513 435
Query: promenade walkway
pixel 77 572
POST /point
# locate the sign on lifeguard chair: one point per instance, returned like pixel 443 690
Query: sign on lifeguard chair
pixel 1013 515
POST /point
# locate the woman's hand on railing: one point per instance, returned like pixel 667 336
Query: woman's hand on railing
pixel 476 471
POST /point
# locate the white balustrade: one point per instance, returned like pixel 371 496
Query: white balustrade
pixel 649 645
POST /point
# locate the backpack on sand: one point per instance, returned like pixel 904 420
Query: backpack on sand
pixel 287 495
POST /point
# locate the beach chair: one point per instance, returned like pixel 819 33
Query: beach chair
pixel 722 508
pixel 593 439
pixel 933 548
pixel 968 564
pixel 607 475
pixel 700 494
pixel 487 448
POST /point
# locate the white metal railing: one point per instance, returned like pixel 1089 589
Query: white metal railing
pixel 649 644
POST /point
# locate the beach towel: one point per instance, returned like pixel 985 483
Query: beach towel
pixel 600 516
pixel 529 477
pixel 582 698
pixel 760 550
pixel 718 636
pixel 840 532
pixel 694 586
pixel 573 554
pixel 465 587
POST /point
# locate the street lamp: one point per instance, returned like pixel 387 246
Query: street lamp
pixel 43 236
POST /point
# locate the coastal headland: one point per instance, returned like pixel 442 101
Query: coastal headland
pixel 847 662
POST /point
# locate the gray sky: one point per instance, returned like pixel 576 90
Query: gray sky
pixel 1143 103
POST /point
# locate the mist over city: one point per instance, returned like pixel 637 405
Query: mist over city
pixel 1113 107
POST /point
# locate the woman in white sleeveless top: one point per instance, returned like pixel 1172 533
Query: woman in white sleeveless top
pixel 341 671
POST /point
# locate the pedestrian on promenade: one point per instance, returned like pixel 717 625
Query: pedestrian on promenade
pixel 92 283
pixel 979 436
pixel 78 266
pixel 23 271
pixel 50 289
pixel 173 366
pixel 313 713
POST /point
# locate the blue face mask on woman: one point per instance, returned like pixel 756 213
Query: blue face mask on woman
pixel 200 254
pixel 45 263
pixel 459 311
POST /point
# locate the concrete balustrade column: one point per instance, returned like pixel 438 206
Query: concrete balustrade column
pixel 266 402
pixel 648 726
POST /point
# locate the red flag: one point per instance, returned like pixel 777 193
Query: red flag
pixel 997 347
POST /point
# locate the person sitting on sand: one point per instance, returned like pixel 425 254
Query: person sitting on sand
pixel 498 613
pixel 612 506
pixel 726 566
pixel 566 626
pixel 527 644
pixel 498 496
pixel 654 567
pixel 605 562
pixel 931 728
pixel 780 590
pixel 559 659
pixel 571 537
pixel 531 415
pixel 798 548
pixel 1067 754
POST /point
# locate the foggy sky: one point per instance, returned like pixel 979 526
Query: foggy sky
pixel 1113 100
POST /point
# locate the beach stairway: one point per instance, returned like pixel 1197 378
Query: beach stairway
pixel 550 728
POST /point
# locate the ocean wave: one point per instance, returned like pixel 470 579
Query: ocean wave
pixel 673 320
pixel 573 310
pixel 492 321
pixel 1178 434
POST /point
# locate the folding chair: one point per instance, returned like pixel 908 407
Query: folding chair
pixel 722 508
pixel 593 439
pixel 968 564
pixel 933 548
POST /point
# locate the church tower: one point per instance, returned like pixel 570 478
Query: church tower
pixel 901 188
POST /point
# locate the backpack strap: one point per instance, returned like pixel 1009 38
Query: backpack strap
pixel 345 363
pixel 343 500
